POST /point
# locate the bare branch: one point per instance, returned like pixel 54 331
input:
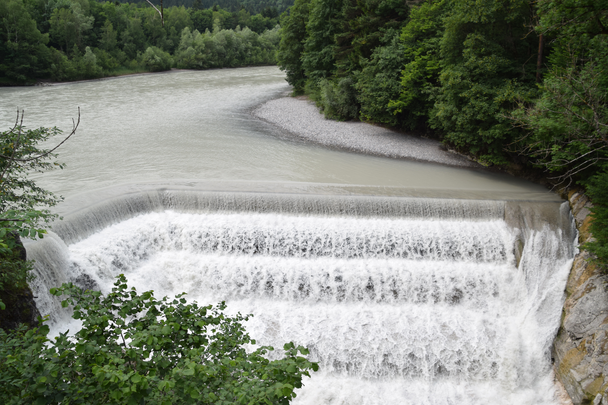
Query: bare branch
pixel 74 128
pixel 573 105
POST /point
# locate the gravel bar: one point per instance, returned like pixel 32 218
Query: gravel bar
pixel 302 119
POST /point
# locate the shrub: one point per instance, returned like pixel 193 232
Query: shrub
pixel 597 188
pixel 156 59
pixel 339 101
pixel 133 348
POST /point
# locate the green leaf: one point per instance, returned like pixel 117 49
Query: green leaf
pixel 44 330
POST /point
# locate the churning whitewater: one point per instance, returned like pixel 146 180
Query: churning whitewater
pixel 396 310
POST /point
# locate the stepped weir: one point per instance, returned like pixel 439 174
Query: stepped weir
pixel 400 299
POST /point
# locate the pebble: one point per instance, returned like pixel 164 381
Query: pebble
pixel 302 119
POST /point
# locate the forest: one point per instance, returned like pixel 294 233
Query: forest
pixel 502 80
pixel 64 40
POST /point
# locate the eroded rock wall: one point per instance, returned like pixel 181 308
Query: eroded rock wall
pixel 580 349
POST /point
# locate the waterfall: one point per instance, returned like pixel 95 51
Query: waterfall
pixel 400 300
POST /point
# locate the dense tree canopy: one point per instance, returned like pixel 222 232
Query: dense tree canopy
pixel 84 39
pixel 500 80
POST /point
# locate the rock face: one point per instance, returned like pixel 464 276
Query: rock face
pixel 20 309
pixel 20 305
pixel 580 349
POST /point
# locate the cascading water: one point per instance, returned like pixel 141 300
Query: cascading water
pixel 400 300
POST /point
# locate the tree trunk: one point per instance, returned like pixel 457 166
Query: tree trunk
pixel 539 61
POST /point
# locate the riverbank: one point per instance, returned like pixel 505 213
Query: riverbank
pixel 302 119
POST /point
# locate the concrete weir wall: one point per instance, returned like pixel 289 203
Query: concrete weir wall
pixel 580 350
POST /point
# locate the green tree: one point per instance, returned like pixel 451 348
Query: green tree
pixel 108 38
pixel 22 46
pixel 421 39
pixel 89 69
pixel 23 205
pixel 597 188
pixel 133 38
pixel 484 53
pixel 364 24
pixel 156 59
pixel 378 82
pixel 134 348
pixel 69 26
pixel 201 20
pixel 176 19
pixel 567 17
pixel 318 58
pixel 291 47
pixel 566 127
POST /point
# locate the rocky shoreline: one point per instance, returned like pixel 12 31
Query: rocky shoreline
pixel 303 120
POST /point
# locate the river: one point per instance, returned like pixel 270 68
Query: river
pixel 411 282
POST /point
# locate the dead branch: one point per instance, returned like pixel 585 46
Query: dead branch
pixel 162 19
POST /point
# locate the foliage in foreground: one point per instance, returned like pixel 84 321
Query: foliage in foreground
pixel 23 205
pixel 85 39
pixel 134 348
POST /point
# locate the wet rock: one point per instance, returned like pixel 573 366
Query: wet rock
pixel 580 349
pixel 20 305
pixel 20 309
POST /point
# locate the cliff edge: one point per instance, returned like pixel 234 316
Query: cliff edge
pixel 580 350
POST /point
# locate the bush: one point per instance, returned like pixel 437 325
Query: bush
pixel 339 101
pixel 597 188
pixel 133 348
pixel 22 202
pixel 156 59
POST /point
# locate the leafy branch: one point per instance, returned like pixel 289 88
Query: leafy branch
pixel 134 348
pixel 23 205
pixel 566 131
